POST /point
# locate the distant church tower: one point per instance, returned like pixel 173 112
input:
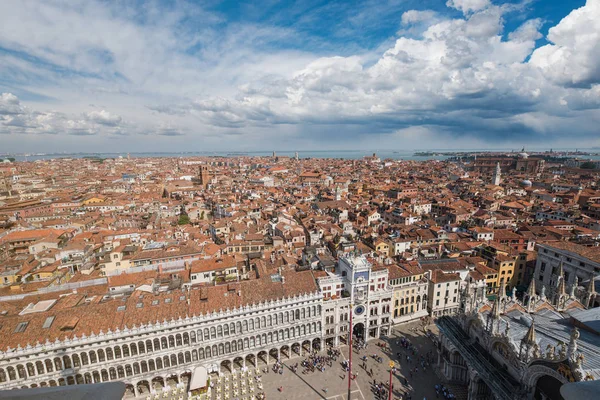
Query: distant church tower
pixel 497 175
pixel 204 176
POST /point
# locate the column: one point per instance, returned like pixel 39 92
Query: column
pixel 472 390
pixel 135 390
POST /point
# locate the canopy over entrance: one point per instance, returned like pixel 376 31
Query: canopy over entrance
pixel 199 379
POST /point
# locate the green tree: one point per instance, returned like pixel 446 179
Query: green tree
pixel 588 165
pixel 183 220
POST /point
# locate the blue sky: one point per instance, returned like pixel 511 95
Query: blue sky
pixel 86 75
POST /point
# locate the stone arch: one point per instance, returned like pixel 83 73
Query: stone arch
pixel 39 366
pixel 30 369
pixel 143 387
pixel 158 381
pixel 76 361
pixel 49 366
pixel 117 352
pixel 535 372
pixel 316 344
pixel 67 362
pixel 3 376
pixel 227 365
pixel 143 367
pixel 285 351
pixel 129 390
pixel 251 360
pixel 133 350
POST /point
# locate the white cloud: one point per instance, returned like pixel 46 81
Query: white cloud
pixel 460 76
pixel 10 105
pixel 573 57
pixel 416 16
pixel 15 118
pixel 467 6
pixel 103 117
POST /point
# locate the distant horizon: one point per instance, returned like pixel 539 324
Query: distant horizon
pixel 455 150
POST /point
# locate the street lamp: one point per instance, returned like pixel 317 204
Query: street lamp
pixel 350 352
pixel 390 385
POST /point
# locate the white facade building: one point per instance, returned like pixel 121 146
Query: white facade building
pixel 135 342
pixel 364 290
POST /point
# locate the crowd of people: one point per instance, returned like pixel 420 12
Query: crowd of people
pixel 315 362
pixel 407 355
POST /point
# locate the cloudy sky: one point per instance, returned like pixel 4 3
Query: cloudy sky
pixel 85 75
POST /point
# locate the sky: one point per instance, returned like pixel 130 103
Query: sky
pixel 140 76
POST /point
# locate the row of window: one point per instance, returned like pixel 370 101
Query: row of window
pixel 133 349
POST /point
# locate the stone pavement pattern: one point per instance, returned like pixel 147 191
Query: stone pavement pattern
pixel 311 386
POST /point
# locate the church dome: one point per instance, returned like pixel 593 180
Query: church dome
pixel 526 183
pixel 523 155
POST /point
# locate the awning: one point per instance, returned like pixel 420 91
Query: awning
pixel 199 377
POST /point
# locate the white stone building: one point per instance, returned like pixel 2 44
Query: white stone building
pixel 365 290
pixel 576 265
pixel 147 339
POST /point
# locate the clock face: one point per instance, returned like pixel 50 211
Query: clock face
pixel 359 310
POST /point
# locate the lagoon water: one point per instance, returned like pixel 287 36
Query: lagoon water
pixel 345 154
